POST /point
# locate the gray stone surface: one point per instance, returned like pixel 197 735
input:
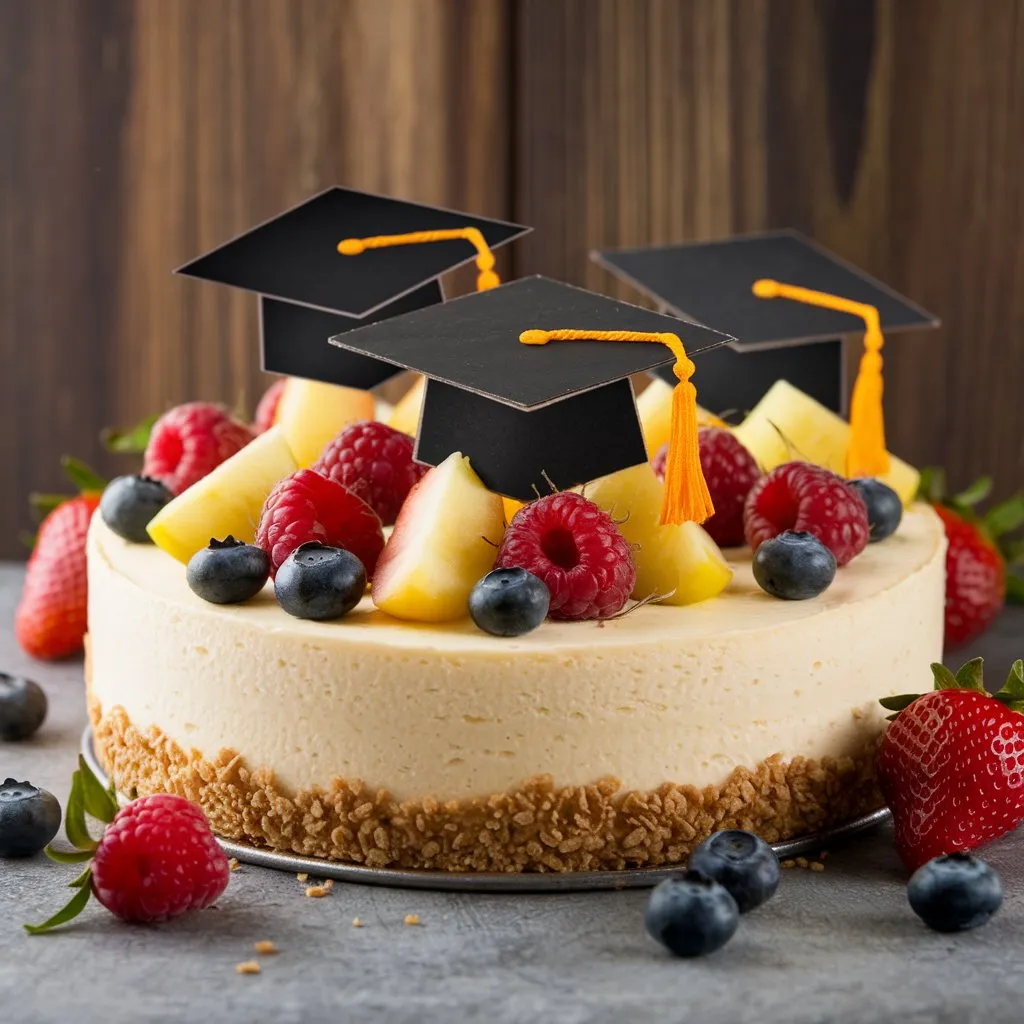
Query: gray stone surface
pixel 837 946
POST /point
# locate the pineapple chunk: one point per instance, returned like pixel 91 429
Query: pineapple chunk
pixel 406 414
pixel 654 406
pixel 312 413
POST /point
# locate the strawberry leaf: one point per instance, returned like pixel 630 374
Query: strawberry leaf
pixel 977 492
pixel 969 676
pixel 1014 684
pixel 28 539
pixel 130 441
pixel 95 798
pixel 81 475
pixel 73 908
pixel 43 504
pixel 1015 588
pixel 932 486
pixel 1005 517
pixel 944 679
pixel 903 701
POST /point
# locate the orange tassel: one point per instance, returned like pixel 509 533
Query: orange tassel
pixel 867 454
pixel 486 277
pixel 686 492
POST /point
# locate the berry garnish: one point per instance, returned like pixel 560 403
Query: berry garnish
pixel 29 818
pixel 128 504
pixel 189 441
pixel 742 862
pixel 22 707
pixel 955 892
pixel 307 506
pixel 157 858
pixel 885 510
pixel 374 461
pixel 509 602
pixel 691 914
pixel 808 499
pixel 319 582
pixel 266 410
pixel 576 550
pixel 794 566
pixel 730 471
pixel 228 571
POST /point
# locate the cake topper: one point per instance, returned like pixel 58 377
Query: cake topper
pixel 310 289
pixel 711 282
pixel 530 416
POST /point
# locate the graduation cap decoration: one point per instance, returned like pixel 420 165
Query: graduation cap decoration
pixel 530 411
pixel 712 283
pixel 300 264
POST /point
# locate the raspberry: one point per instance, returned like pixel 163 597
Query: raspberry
pixel 575 548
pixel 801 497
pixel 266 410
pixel 375 462
pixel 190 441
pixel 157 860
pixel 730 471
pixel 307 506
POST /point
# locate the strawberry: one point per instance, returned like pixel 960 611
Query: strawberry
pixel 951 764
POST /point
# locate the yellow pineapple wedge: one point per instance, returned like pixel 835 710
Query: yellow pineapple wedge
pixel 654 407
pixel 682 561
pixel 312 413
pixel 444 540
pixel 788 424
pixel 228 500
pixel 406 414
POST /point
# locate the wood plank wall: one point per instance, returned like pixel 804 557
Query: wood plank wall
pixel 135 134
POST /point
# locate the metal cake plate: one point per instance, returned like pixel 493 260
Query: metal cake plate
pixel 533 882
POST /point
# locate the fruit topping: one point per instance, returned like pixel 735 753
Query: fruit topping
pixel 951 764
pixel 312 413
pixel 228 501
pixel 955 892
pixel 406 414
pixel 190 441
pixel 691 914
pixel 742 862
pixel 23 707
pixel 795 566
pixel 129 503
pixel 444 540
pixel 654 407
pixel 309 507
pixel 730 472
pixel 320 582
pixel 266 409
pixel 375 462
pixel 577 550
pixel 885 510
pixel 228 571
pixel 808 499
pixel 509 602
pixel 29 818
pixel 680 564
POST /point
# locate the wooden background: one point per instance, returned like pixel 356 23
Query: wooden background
pixel 135 134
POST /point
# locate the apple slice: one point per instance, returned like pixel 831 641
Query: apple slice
pixel 228 500
pixel 445 539
pixel 680 561
pixel 406 414
pixel 312 413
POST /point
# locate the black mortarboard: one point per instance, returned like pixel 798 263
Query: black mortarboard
pixel 711 282
pixel 528 414
pixel 310 291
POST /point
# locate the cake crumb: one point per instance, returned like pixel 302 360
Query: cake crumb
pixel 318 891
pixel 303 876
pixel 233 864
pixel 412 919
pixel 328 885
pixel 802 862
pixel 788 864
pixel 248 967
pixel 816 865
pixel 356 923
pixel 265 948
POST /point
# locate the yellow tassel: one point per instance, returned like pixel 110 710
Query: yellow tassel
pixel 686 492
pixel 486 277
pixel 867 454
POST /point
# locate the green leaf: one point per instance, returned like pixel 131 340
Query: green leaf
pixel 28 539
pixel 130 441
pixel 73 908
pixel 95 798
pixel 970 675
pixel 1011 703
pixel 1014 684
pixel 978 491
pixel 1015 589
pixel 932 486
pixel 82 880
pixel 68 856
pixel 74 818
pixel 43 504
pixel 944 679
pixel 904 700
pixel 84 478
pixel 1005 517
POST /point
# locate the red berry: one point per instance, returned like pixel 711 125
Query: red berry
pixel 51 618
pixel 975 580
pixel 157 860
pixel 307 506
pixel 190 441
pixel 266 411
pixel 576 549
pixel 802 497
pixel 730 471
pixel 375 462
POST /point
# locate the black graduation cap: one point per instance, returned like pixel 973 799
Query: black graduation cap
pixel 310 289
pixel 711 282
pixel 527 414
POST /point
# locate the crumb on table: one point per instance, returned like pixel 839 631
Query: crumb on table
pixel 303 876
pixel 248 967
pixel 233 864
pixel 317 892
pixel 356 923
pixel 265 947
pixel 788 864
pixel 816 865
pixel 412 919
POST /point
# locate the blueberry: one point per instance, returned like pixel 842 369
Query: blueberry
pixel 228 571
pixel 509 602
pixel 318 582
pixel 885 510
pixel 742 862
pixel 794 566
pixel 955 892
pixel 22 707
pixel 691 914
pixel 130 502
pixel 29 818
